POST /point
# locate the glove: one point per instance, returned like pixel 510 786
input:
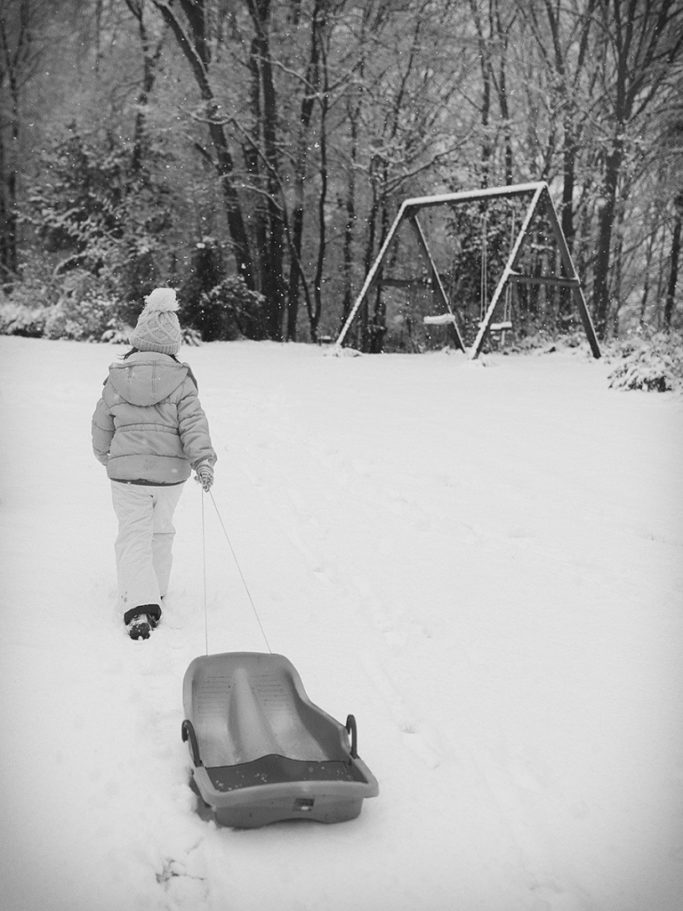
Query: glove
pixel 205 476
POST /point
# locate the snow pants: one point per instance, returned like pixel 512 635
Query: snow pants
pixel 145 541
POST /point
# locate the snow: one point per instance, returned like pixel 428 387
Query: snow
pixel 482 561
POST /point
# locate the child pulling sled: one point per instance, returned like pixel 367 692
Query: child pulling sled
pixel 150 431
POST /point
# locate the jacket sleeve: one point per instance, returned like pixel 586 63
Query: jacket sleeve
pixel 193 427
pixel 102 430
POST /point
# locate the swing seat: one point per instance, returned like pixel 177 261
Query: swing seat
pixel 443 319
pixel 502 326
pixel 262 752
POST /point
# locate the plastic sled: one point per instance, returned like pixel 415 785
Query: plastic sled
pixel 262 752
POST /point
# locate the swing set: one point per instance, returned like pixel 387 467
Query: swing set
pixel 500 301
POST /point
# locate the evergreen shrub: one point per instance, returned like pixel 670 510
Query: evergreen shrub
pixel 652 364
pixel 20 319
pixel 84 311
pixel 227 311
pixel 25 310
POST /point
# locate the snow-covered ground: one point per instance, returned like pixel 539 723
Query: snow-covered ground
pixel 483 563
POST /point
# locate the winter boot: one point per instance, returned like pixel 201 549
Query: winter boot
pixel 141 620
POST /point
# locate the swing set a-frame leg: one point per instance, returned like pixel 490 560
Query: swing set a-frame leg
pixel 507 272
pixel 369 279
pixel 575 283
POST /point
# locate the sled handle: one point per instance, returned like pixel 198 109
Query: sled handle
pixel 352 729
pixel 187 733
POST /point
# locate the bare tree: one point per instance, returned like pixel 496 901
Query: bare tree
pixel 641 44
pixel 311 87
pixel 673 261
pixel 151 52
pixel 493 40
pixel 265 123
pixel 190 32
pixel 563 40
pixel 16 53
pixel 562 35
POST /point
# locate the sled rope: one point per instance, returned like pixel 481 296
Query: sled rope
pixel 239 570
pixel 206 612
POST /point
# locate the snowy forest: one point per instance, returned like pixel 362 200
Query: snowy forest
pixel 253 153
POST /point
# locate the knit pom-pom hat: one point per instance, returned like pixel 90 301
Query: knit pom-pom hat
pixel 158 328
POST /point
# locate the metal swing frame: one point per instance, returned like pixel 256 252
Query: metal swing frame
pixel 539 193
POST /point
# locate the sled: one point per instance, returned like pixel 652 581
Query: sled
pixel 262 752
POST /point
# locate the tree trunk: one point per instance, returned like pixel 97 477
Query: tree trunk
pixel 11 59
pixel 350 220
pixel 368 258
pixel 273 280
pixel 649 254
pixel 316 311
pixel 485 65
pixel 503 38
pixel 259 215
pixel 378 326
pixel 8 220
pixel 673 267
pixel 606 214
pixel 618 268
pixel 565 296
pixel 149 64
pixel 311 86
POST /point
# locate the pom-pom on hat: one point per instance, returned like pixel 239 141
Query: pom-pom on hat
pixel 158 328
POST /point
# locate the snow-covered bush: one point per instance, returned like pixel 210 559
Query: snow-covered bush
pixel 73 306
pixel 654 365
pixel 227 311
pixel 84 321
pixel 24 311
pixel 96 212
pixel 19 319
pixel 84 311
pixel 191 337
pixel 116 333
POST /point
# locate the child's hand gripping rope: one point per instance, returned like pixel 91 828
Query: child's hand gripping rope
pixel 205 476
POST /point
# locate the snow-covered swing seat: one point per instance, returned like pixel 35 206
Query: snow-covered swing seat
pixel 262 752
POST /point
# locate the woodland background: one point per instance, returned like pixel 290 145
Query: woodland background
pixel 252 153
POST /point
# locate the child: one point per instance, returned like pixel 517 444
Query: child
pixel 149 430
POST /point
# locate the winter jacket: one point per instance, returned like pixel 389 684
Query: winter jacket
pixel 148 426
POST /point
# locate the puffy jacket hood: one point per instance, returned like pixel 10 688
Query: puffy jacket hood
pixel 145 378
